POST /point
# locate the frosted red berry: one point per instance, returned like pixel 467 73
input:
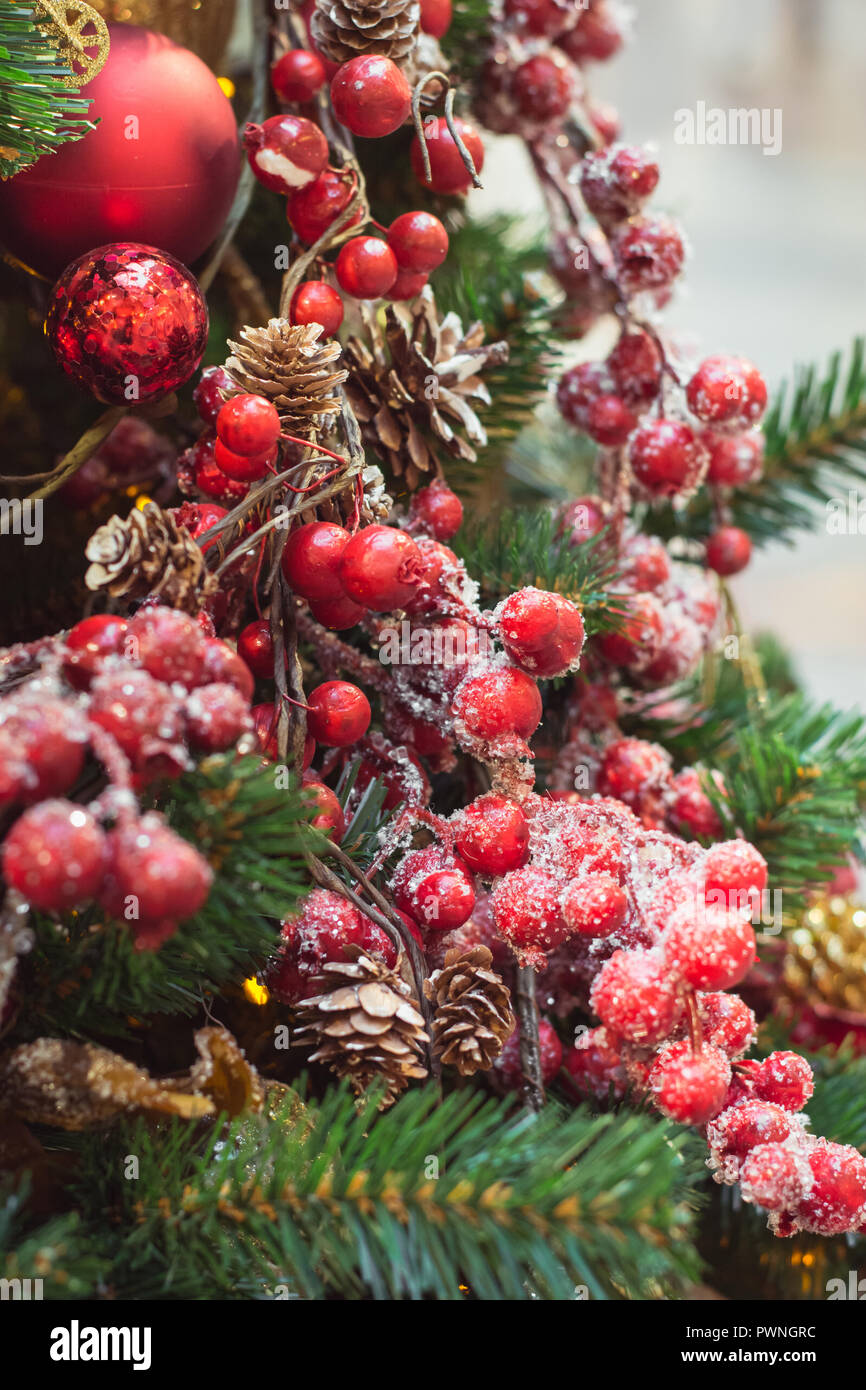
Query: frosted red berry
pixel 498 703
pixel 297 76
pixel 635 997
pixel 380 568
pixel 338 713
pixel 578 389
pixel 632 766
pixel 784 1079
pixel 366 267
pixel 709 948
pixel 256 648
pixel 42 748
pixel 216 716
pixel 615 181
pixel 527 913
pixel 169 644
pixel 370 96
pixel 311 560
pixel 835 1202
pixel 774 1177
pixel 596 36
pixel 543 87
pixel 54 855
pixel 727 1022
pixel 594 906
pixel 735 868
pixel 609 421
pixel 312 210
pixel 315 301
pixel 438 510
pixel 735 459
pixel 727 391
pixel 419 241
pixel 434 888
pixel 140 712
pixel 222 664
pixel 541 631
pixel 635 365
pixel 448 173
pixel 153 873
pixel 648 252
pixel 286 152
pixel 689 1086
pixel 729 550
pixel 581 520
pixel 538 17
pixel 666 457
pixel 492 834
pixel 742 1127
pixel 88 644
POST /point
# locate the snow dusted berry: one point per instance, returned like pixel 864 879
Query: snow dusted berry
pixel 579 388
pixel 635 997
pixel 438 510
pixel 637 641
pixel 543 632
pixel 632 768
pixel 370 96
pixel 256 648
pixel 54 856
pixel 42 748
pixel 526 909
pixel 338 713
pixel 616 181
pixel 380 568
pixel 497 709
pixel 735 459
pixel 311 560
pixel 169 645
pixel 727 1022
pixel 645 564
pixel 140 712
pixel 595 1065
pixel 727 391
pixel 543 18
pixel 689 1086
pixel 596 36
pixel 216 716
pixel 448 173
pixel 327 811
pixel 153 873
pixel 648 252
pixel 609 421
pixel 543 87
pixel 635 364
pixel 784 1079
pixel 594 906
pixel 88 643
pixel 324 930
pixel 729 550
pixel 508 1066
pixel 692 811
pixel 741 1128
pixel 735 868
pixel 222 664
pixel 774 1177
pixel 835 1202
pixel 667 457
pixel 286 152
pixel 434 888
pixel 492 834
pixel 581 520
pixel 710 949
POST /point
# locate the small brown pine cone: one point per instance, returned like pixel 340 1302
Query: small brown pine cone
pixel 344 29
pixel 288 365
pixel 473 1018
pixel 366 1027
pixel 149 554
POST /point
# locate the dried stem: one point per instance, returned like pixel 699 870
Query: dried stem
pixel 530 1051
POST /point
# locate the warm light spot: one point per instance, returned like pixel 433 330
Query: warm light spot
pixel 227 85
pixel 808 1259
pixel 142 501
pixel 255 993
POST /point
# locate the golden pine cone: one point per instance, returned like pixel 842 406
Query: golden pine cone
pixel 473 1018
pixel 290 366
pixel 149 554
pixel 344 29
pixel 825 960
pixel 365 1028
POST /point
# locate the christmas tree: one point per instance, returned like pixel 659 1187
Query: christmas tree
pixel 416 885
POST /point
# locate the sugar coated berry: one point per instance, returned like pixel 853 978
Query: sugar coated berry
pixel 338 713
pixel 311 560
pixel 774 1177
pixel 543 87
pixel 88 643
pixel 692 811
pixel 594 906
pixel 581 520
pixel 617 180
pixel 370 96
pixel 735 459
pixel 835 1201
pixel 527 913
pixel 645 564
pixel 208 395
pixel 338 613
pixel 327 812
pixel 435 17
pixel 434 888
pixel 315 301
pixel 666 457
pixel 492 834
pixel 286 152
pixel 311 210
pixel 509 1068
pixel 729 550
pixel 438 510
pixel 380 568
pixel 742 1127
pixel 498 703
pixel 709 948
pixel 727 1022
pixel 648 252
pixel 54 856
pixel 216 716
pixel 418 240
pixel 169 645
pixel 408 284
pixel 137 710
pixel 641 633
pixel 448 173
pixel 785 1079
pixel 256 648
pixel 541 631
pixel 688 1086
pixel 578 389
pixel 222 664
pixel 635 364
pixel 630 767
pixel 727 391
pixel 635 997
pixel 243 468
pixel 609 421
pixel 366 267
pixel 156 871
pixel 538 17
pixel 735 868
pixel 42 748
pixel 248 425
pixel 297 75
pixel 596 36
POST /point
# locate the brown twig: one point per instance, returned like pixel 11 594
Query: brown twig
pixel 530 1052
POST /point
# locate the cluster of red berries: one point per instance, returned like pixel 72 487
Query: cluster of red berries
pixel 134 455
pixel 640 773
pixel 323 929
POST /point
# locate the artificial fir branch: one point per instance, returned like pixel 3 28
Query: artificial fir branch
pixel 39 111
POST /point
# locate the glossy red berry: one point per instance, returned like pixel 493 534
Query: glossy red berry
pixel 208 395
pixel 727 391
pixel 286 152
pixel 527 913
pixel 312 210
pixel 710 948
pixel 784 1079
pixel 438 510
pixel 734 868
pixel 88 644
pixel 327 811
pixel 492 834
pixel 596 36
pixel 435 17
pixel 216 716
pixel 648 252
pixel 315 301
pixel 338 713
pixel 594 906
pixel 297 75
pixel 380 568
pixel 223 665
pixel 666 457
pixel 617 180
pixel 729 550
pixel 543 87
pixel 543 632
pixel 371 96
pixel 54 855
pixel 836 1199
pixel 366 267
pixel 209 477
pixel 635 997
pixel 265 718
pixel 338 613
pixel 448 173
pixel 156 871
pixel 256 648
pixel 198 518
pixel 169 644
pixel 434 888
pixel 311 560
pixel 408 284
pixel 635 365
pixel 500 703
pixel 688 1086
pixel 243 468
pixel 248 425
pixel 419 241
pixel 735 459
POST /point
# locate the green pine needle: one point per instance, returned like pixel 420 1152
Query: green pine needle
pixel 38 113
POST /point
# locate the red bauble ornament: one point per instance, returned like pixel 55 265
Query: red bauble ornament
pixel 371 96
pixel 314 301
pixel 312 210
pixel 338 713
pixel 418 240
pixel 127 323
pixel 297 76
pixel 286 152
pixel 448 173
pixel 366 267
pixel 161 167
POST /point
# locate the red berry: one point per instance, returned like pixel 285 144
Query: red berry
pixel 649 253
pixel 609 421
pixel 286 152
pixel 729 550
pixel 709 948
pixel 371 96
pixel 742 1127
pixel 242 468
pixel 735 459
pixel 692 811
pixel 594 906
pixel 578 389
pixel 438 510
pixel 198 518
pixel 248 425
pixel 595 1066
pixel 508 1065
pixel 256 648
pixel 140 712
pixel 312 210
pixel 492 834
pixel 526 910
pixel 314 301
pixel 208 395
pixel 339 612
pixel 42 747
pixel 169 645
pixel 366 267
pixel 223 665
pixel 209 477
pixel 635 997
pixel 435 17
pixel 836 1199
pixel 88 644
pixel 596 36
pixel 617 180
pixel 418 240
pixel 667 457
pixel 311 560
pixel 500 703
pixel 54 855
pixel 542 632
pixel 539 17
pixel 435 888
pixel 727 1022
pixel 645 564
pixel 154 873
pixel 297 75
pixel 774 1177
pixel 265 726
pixel 635 365
pixel 632 767
pixel 327 811
pixel 690 1087
pixel 543 87
pixel 448 173
pixel 784 1079
pixel 736 869
pixel 606 120
pixel 581 520
pixel 727 391
pixel 338 713
pixel 380 568
pixel 407 285
pixel 216 716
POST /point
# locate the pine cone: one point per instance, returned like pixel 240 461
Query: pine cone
pixel 149 554
pixel 473 1018
pixel 344 29
pixel 289 366
pixel 366 1028
pixel 422 376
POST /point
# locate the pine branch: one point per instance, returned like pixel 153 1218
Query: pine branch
pixel 38 113
pixel 465 43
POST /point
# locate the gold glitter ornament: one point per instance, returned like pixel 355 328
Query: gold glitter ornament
pixel 80 34
pixel 825 961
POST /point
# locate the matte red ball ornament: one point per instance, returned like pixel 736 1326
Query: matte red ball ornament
pixel 366 267
pixel 371 96
pixel 161 167
pixel 128 323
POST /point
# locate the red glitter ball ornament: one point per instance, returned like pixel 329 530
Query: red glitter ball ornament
pixel 128 323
